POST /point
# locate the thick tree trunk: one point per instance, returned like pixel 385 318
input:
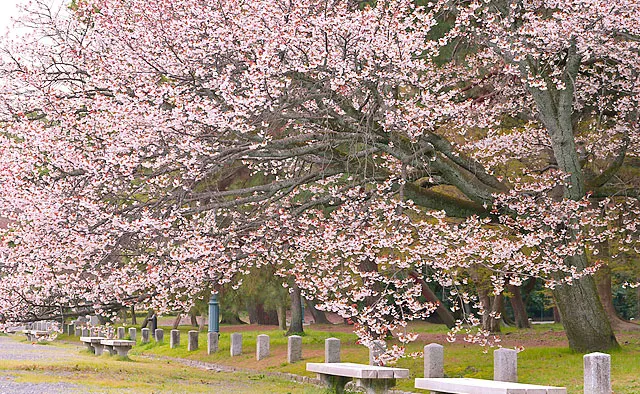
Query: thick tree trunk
pixel 230 317
pixel 492 307
pixel 145 322
pixel 134 320
pixel 442 311
pixel 252 310
pixel 281 309
pixel 556 315
pixel 194 319
pixel 603 282
pixel 519 309
pixel 266 317
pixel 296 311
pixel 318 316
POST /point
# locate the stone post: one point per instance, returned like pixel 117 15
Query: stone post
pixel 294 348
pixel 133 333
pixel 597 373
pixel 332 350
pixel 505 365
pixel 376 350
pixel 236 344
pixel 434 361
pixel 174 341
pixel 120 332
pixel 193 341
pixel 145 335
pixel 212 342
pixel 159 335
pixel 262 347
pixel 71 328
pixel 95 332
pixel 78 331
pixel 85 332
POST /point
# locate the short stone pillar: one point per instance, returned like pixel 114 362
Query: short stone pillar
pixel 294 348
pixel 332 350
pixel 377 349
pixel 192 344
pixel 505 365
pixel 96 332
pixel 159 335
pixel 212 342
pixel 78 331
pixel 236 344
pixel 71 329
pixel 120 332
pixel 85 332
pixel 145 335
pixel 133 334
pixel 597 373
pixel 434 361
pixel 262 347
pixel 174 340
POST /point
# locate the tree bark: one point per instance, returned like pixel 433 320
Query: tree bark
pixel 442 311
pixel 296 311
pixel 194 319
pixel 134 320
pixel 252 311
pixel 176 322
pixel 519 309
pixel 282 316
pixel 603 282
pixel 492 305
pixel 145 322
pixel 319 316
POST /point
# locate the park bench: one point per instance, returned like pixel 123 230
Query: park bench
pixel 482 386
pixel 93 344
pixel 120 347
pixel 33 335
pixel 375 380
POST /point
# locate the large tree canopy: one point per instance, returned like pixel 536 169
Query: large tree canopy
pixel 154 147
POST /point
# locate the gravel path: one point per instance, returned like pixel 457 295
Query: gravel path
pixel 12 350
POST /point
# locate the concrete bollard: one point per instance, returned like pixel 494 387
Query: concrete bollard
pixel 159 335
pixel 71 329
pixel 262 347
pixel 434 361
pixel 294 348
pixel 85 332
pixel 192 344
pixel 332 350
pixel 174 340
pixel 236 344
pixel 212 342
pixel 120 332
pixel 133 333
pixel 505 365
pixel 145 335
pixel 78 331
pixel 597 373
pixel 377 349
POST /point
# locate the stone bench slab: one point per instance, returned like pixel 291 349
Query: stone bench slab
pixel 358 371
pixel 117 342
pixel 482 386
pixel 91 339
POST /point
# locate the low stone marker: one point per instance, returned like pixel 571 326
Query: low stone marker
pixel 262 347
pixel 71 329
pixel 434 361
pixel 120 332
pixel 85 332
pixel 378 348
pixel 78 331
pixel 192 344
pixel 159 335
pixel 332 350
pixel 133 333
pixel 294 348
pixel 236 344
pixel 174 340
pixel 505 365
pixel 96 332
pixel 597 373
pixel 212 342
pixel 145 335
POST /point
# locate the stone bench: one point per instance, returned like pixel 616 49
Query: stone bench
pixel 34 334
pixel 93 344
pixel 482 386
pixel 120 347
pixel 375 380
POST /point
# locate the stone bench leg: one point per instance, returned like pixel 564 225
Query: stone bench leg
pixel 336 383
pixel 110 349
pixel 376 386
pixel 89 347
pixel 122 350
pixel 98 348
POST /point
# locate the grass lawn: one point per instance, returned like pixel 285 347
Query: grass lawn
pixel 545 360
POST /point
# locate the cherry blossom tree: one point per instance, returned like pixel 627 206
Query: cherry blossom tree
pixel 151 148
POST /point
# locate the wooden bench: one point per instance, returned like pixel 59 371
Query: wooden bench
pixel 375 380
pixel 93 344
pixel 120 347
pixel 482 386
